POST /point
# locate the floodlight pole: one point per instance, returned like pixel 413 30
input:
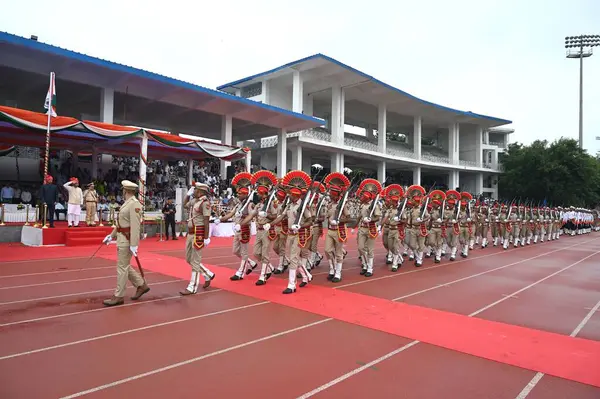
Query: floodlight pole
pixel 581 42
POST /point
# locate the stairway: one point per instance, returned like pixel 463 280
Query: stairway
pixel 88 236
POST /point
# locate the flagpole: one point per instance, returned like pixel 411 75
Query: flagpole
pixel 50 109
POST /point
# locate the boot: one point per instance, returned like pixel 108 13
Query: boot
pixel 192 287
pixel 114 301
pixel 331 271
pixel 338 273
pixel 291 288
pixel 239 275
pixel 208 278
pixel 141 290
pixel 263 275
pixel 369 272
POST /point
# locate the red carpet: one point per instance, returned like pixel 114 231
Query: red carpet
pixel 558 355
pixel 61 234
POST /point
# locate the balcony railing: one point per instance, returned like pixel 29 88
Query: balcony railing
pixel 392 148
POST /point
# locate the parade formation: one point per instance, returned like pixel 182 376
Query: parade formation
pixel 291 214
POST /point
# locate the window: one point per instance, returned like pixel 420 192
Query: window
pixel 252 90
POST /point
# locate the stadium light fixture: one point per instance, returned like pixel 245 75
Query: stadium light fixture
pixel 581 47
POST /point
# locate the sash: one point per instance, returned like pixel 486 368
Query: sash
pixel 372 230
pixel 284 226
pixel 245 230
pixel 423 230
pixel 401 231
pixel 455 229
pixel 199 236
pixel 272 235
pixel 470 228
pixel 508 226
pixel 342 232
pixel 444 230
pixel 320 228
pixel 304 236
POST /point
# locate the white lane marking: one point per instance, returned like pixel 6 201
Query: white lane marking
pixel 57 272
pixel 61 282
pixel 196 359
pixel 387 356
pixel 124 332
pixel 78 293
pixel 102 309
pixel 479 274
pixel 356 371
pixel 534 381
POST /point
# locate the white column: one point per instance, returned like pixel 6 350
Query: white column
pixel 453 179
pixel 478 184
pixel 94 163
pixel 190 172
pixel 142 167
pixel 337 122
pixel 107 105
pixel 249 161
pixel 453 134
pixel 417 175
pixel 337 162
pixel 226 138
pixel 486 137
pixel 494 159
pixel 381 172
pixel 297 158
pixel 417 137
pixel 238 93
pixel 478 146
pixel 297 95
pixel 281 153
pixel 382 128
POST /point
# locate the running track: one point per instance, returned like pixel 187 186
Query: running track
pixel 521 323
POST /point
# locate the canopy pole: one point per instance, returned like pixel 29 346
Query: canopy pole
pixel 143 166
pixel 190 172
pixel 248 162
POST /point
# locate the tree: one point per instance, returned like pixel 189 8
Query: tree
pixel 560 173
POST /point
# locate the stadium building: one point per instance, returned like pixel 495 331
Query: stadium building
pixel 425 143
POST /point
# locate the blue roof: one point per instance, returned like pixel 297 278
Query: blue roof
pixel 322 56
pixel 59 51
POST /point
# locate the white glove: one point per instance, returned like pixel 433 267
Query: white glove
pixel 262 214
pixel 497 219
pixel 486 220
pixel 379 229
pixel 396 219
pixel 107 239
pixel 190 192
pixel 238 214
pixel 438 220
pixel 206 242
pixel 468 219
pixel 133 250
pixel 237 228
pixel 295 227
pixel 266 226
pixel 217 221
pixel 453 220
pixel 333 222
pixel 418 220
pixel 367 220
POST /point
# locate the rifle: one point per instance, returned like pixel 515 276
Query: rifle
pixel 308 195
pixel 376 200
pixel 427 200
pixel 342 203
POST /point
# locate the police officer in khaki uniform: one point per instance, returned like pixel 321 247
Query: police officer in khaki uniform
pixel 90 198
pixel 369 214
pixel 127 233
pixel 198 205
pixel 337 217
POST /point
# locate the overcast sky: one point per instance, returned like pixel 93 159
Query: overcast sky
pixel 503 58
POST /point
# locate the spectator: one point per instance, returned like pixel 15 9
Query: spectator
pixel 49 196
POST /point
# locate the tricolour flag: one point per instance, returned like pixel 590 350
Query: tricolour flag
pixel 50 103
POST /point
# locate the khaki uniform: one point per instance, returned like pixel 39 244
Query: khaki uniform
pixel 435 239
pixel 385 228
pixel 127 233
pixel 279 245
pixel 466 232
pixel 515 229
pixel 417 232
pixel 198 209
pixel 241 238
pixel 484 223
pixel 317 233
pixel 335 239
pixel 367 233
pixel 392 238
pixel 452 231
pixel 297 244
pixel 263 244
pixel 90 198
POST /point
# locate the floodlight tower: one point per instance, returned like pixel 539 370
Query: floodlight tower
pixel 582 46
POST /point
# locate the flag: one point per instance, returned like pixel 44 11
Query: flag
pixel 50 103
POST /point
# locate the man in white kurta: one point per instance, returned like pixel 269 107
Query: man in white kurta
pixel 75 201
